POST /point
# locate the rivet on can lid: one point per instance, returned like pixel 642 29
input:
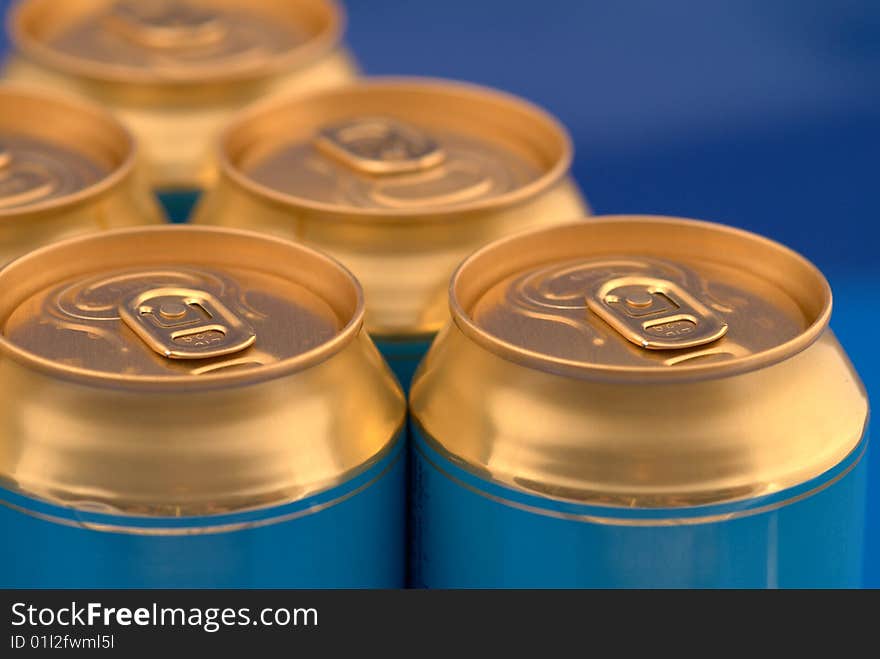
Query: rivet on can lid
pixel 655 314
pixel 380 145
pixel 180 323
pixel 639 299
pixel 172 310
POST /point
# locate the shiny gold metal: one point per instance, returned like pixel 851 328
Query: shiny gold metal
pixel 153 27
pixel 379 145
pixel 33 170
pixel 66 168
pixel 530 385
pixel 398 178
pixel 186 323
pixel 655 314
pixel 186 371
pixel 175 70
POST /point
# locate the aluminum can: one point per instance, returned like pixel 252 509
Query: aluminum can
pixel 400 179
pixel 175 70
pixel 66 168
pixel 638 402
pixel 194 407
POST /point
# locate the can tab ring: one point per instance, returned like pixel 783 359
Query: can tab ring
pixel 181 323
pixel 655 314
pixel 379 146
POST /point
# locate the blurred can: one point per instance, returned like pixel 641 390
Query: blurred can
pixel 186 407
pixel 638 402
pixel 400 179
pixel 175 70
pixel 66 168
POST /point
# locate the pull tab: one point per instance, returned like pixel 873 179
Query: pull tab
pixel 656 314
pixel 181 323
pixel 166 24
pixel 380 145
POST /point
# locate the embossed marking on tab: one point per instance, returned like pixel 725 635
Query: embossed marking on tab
pixel 166 24
pixel 380 145
pixel 182 323
pixel 655 314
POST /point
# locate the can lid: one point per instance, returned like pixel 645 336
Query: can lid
pixel 176 307
pixel 54 151
pixel 386 148
pixel 173 41
pixel 641 297
pixel 33 171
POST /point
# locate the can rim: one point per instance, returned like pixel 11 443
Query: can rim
pixel 300 55
pixel 80 107
pixel 427 84
pixel 349 331
pixel 697 371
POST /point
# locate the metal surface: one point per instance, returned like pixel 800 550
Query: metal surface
pixel 174 72
pixel 303 544
pixel 655 314
pixel 548 400
pixel 66 168
pixel 93 416
pixel 170 321
pixel 807 538
pixel 184 323
pixel 376 145
pixel 378 164
pixel 172 40
pixel 33 171
pixel 696 299
pixel 398 178
pixel 194 407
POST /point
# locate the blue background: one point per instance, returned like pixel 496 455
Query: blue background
pixel 764 114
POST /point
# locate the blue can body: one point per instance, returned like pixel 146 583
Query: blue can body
pixel 178 204
pixel 471 533
pixel 404 357
pixel 351 536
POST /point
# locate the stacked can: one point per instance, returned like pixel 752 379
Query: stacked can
pixel 399 179
pixel 174 70
pixel 192 407
pixel 638 402
pixel 66 168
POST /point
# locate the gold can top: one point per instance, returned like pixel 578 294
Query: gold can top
pixel 55 151
pixel 175 41
pixel 642 362
pixel 641 297
pixel 172 306
pixel 387 148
